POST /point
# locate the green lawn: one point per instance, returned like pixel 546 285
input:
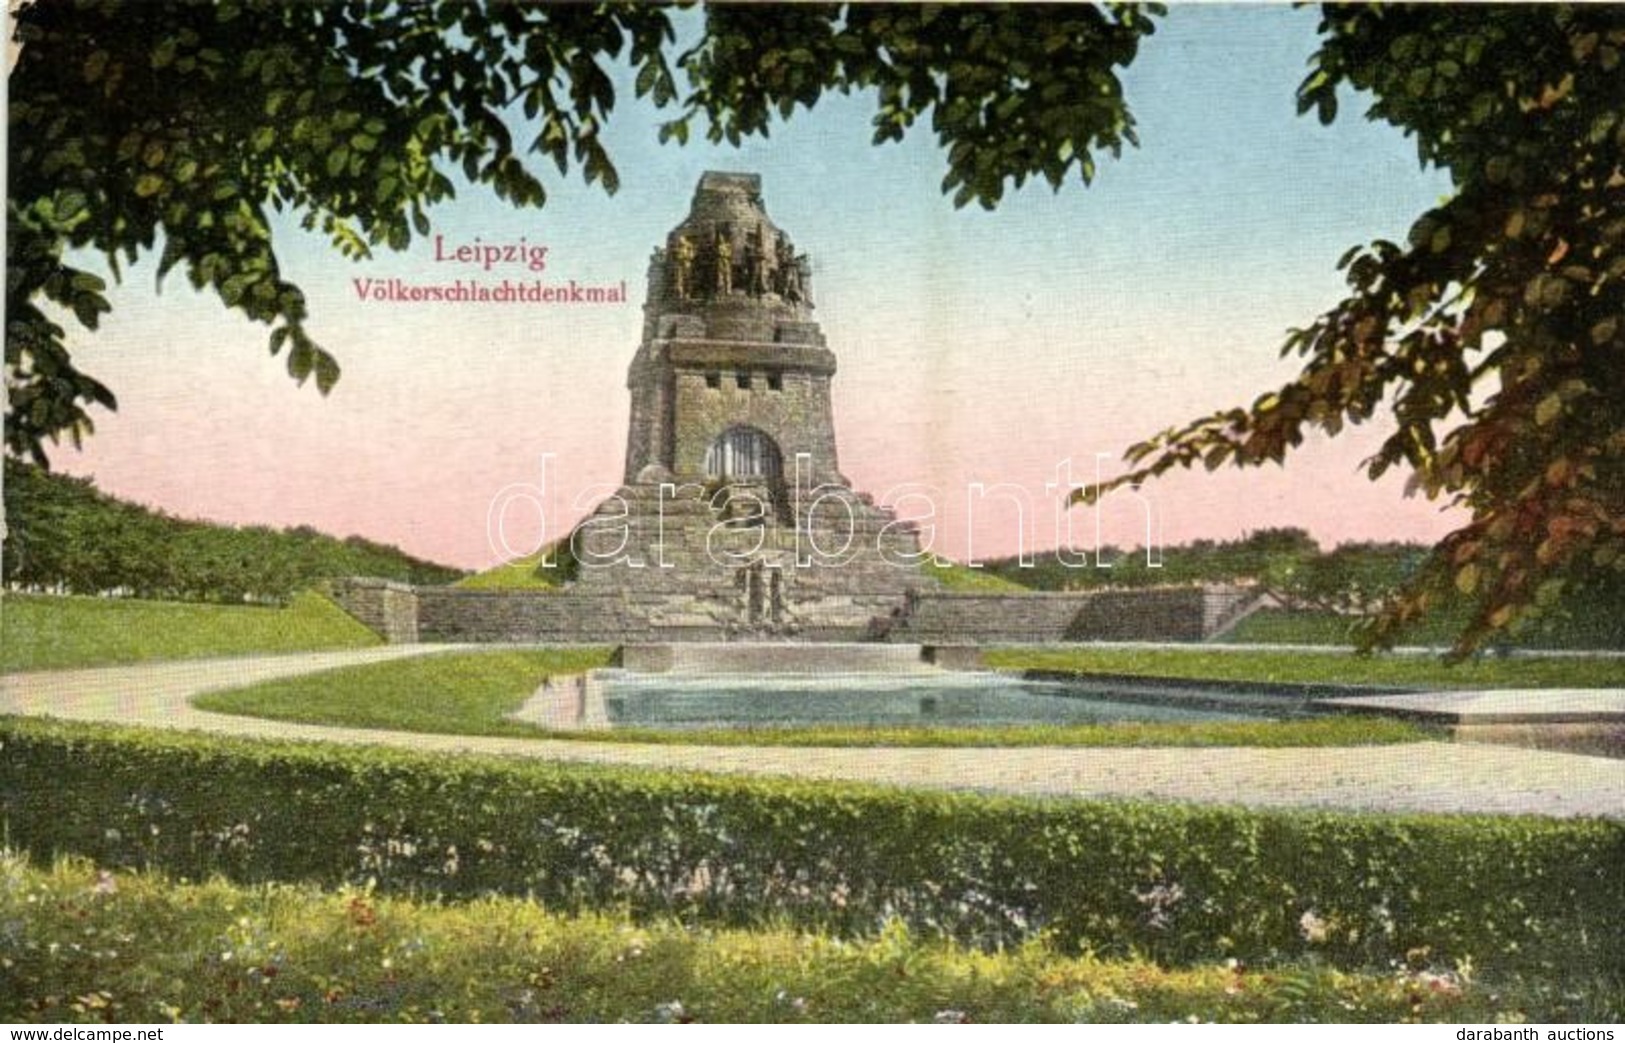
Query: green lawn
pixel 1283 627
pixel 98 946
pixel 471 694
pixel 1418 671
pixel 956 577
pixel 42 632
pixel 458 694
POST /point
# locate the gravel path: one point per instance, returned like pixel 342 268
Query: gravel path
pixel 1425 777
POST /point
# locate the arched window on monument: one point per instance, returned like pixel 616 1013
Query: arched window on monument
pixel 743 452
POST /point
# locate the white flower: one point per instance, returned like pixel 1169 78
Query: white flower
pixel 1160 901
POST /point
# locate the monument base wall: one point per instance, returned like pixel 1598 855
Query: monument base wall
pixel 403 614
pixel 1152 614
pixel 387 607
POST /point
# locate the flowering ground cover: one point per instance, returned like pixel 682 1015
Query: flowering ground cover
pixel 82 944
pixel 1181 883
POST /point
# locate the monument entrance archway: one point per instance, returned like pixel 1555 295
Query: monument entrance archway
pixel 744 452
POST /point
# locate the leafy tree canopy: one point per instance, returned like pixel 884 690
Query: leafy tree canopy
pixel 63 534
pixel 179 126
pixel 1495 335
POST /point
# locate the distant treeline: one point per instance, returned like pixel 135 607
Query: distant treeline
pixel 1350 580
pixel 64 535
pixel 1288 561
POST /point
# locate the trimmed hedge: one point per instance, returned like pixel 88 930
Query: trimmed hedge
pixel 1176 883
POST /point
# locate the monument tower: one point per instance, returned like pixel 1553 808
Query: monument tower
pixel 734 516
pixel 733 519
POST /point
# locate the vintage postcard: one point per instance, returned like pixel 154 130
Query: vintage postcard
pixel 813 513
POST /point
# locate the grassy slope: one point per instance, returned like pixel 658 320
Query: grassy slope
pixel 140 948
pixel 1320 668
pixel 40 632
pixel 1277 626
pixel 518 574
pixel 471 694
pixel 962 578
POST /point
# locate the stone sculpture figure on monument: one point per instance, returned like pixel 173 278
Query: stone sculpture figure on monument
pixel 682 272
pixel 758 264
pixel 723 276
pixel 751 263
pixel 788 275
pixel 803 268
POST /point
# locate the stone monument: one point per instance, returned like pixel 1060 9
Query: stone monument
pixel 734 518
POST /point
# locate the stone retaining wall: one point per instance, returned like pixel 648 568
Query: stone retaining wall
pixel 387 607
pixel 1157 614
pixel 451 614
pixel 402 614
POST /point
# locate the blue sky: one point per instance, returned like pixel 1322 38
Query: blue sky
pixel 973 346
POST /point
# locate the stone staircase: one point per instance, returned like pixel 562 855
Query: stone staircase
pixel 692 563
pixel 1227 607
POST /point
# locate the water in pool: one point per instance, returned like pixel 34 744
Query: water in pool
pixel 615 698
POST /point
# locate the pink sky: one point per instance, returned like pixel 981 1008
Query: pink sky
pixel 973 347
pixel 416 442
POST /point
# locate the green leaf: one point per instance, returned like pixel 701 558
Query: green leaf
pixel 232 289
pixel 302 358
pixel 1549 409
pixel 148 185
pixel 675 129
pixel 1326 107
pixel 87 308
pixel 646 78
pixel 327 371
